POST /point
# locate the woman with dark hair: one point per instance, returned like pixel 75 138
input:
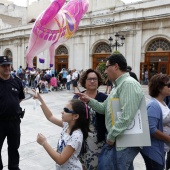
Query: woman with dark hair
pixel 91 80
pixel 75 124
pixel 154 155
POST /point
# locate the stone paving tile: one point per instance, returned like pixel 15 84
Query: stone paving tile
pixel 32 155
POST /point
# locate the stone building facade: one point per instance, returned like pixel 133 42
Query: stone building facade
pixel 144 24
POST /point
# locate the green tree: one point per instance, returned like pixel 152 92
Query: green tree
pixel 116 52
pixel 101 69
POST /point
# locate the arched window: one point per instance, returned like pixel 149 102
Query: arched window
pixel 159 45
pixel 9 54
pixel 61 50
pixel 102 48
pixel 35 62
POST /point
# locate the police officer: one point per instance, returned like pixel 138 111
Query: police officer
pixel 11 94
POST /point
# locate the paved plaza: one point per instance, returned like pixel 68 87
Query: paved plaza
pixel 32 155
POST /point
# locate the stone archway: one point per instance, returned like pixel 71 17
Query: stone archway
pixel 35 62
pixel 61 58
pixel 101 51
pixel 9 54
pixel 157 58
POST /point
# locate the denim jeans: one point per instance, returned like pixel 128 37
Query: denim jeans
pixel 107 158
pixel 68 85
pixel 125 158
pixel 35 84
pixel 44 90
pixel 110 159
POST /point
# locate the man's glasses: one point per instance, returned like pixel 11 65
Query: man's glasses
pixel 109 66
pixel 69 111
pixel 90 79
pixel 167 85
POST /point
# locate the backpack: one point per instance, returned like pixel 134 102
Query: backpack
pixel 42 86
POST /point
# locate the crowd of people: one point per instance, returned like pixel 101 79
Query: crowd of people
pixel 88 138
pixel 47 80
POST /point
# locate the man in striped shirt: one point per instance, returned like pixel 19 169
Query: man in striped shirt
pixel 130 94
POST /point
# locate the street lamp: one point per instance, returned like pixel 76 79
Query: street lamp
pixel 117 44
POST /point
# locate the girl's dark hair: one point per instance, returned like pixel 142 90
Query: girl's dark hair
pixel 85 74
pixel 157 83
pixel 82 122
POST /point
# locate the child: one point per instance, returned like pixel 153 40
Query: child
pixel 53 82
pixel 75 123
pixel 43 85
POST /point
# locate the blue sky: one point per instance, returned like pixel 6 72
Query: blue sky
pixel 24 2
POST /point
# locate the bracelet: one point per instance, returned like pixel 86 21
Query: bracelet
pixel 43 143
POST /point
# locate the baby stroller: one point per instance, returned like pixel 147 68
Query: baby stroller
pixel 59 84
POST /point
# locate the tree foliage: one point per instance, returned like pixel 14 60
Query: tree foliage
pixel 101 69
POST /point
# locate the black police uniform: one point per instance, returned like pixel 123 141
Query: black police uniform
pixel 11 92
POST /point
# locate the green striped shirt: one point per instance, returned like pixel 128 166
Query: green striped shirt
pixel 130 94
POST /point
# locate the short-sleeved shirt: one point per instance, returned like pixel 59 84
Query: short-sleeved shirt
pixel 53 81
pixel 65 74
pixel 75 141
pixel 75 75
pixel 68 78
pixel 10 95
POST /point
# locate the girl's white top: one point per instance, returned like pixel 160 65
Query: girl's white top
pixel 166 123
pixel 75 141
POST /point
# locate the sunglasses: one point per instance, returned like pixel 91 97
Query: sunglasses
pixel 69 111
pixel 167 85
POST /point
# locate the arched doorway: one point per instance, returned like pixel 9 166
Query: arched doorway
pixel 35 62
pixel 9 54
pixel 157 58
pixel 61 58
pixel 101 51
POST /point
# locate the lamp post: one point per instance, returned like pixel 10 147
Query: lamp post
pixel 117 44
